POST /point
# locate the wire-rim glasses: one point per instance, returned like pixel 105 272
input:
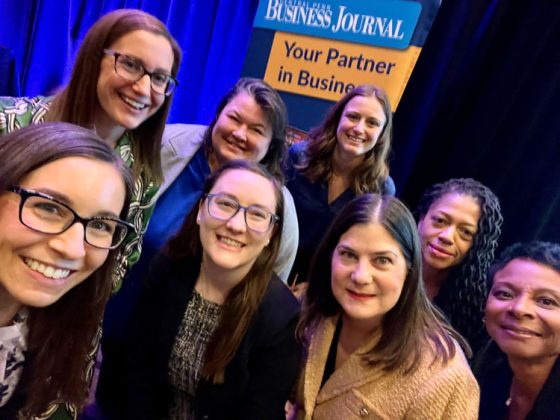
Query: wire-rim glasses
pixel 223 207
pixel 44 214
pixel 133 70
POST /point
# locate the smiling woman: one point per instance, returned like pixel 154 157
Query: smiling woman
pixel 214 322
pixel 371 334
pixel 519 369
pixel 63 192
pixel 345 156
pixel 109 93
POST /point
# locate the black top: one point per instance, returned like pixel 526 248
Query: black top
pixel 494 376
pixel 259 378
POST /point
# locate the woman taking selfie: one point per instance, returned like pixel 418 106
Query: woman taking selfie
pixel 109 93
pixel 63 194
pixel 375 344
pixel 214 331
pixel 347 155
pixel 459 225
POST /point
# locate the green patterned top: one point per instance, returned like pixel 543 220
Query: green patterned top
pixel 16 113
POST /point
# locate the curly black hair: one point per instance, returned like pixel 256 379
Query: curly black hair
pixel 545 253
pixel 463 295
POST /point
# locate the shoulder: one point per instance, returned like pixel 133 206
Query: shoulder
pixel 183 139
pixel 389 187
pixel 279 306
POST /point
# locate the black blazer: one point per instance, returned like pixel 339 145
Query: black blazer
pixel 494 376
pixel 258 380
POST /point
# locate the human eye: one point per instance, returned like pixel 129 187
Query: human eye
pixel 346 255
pixel 46 209
pixel 225 203
pixel 101 226
pixel 438 220
pixel 466 233
pixel 373 122
pixel 547 301
pixel 257 214
pixel 234 117
pixel 383 260
pixel 258 130
pixel 130 64
pixel 502 294
pixel 160 79
pixel 352 116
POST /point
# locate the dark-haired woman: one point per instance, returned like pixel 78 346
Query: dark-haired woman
pixel 63 193
pixel 345 156
pixel 376 347
pixel 214 331
pixel 459 225
pixel 519 369
pixel 109 93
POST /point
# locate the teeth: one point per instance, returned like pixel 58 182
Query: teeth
pixel 230 242
pixel 133 103
pixel 358 139
pixel 47 270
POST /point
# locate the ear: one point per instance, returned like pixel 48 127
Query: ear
pixel 420 222
pixel 198 215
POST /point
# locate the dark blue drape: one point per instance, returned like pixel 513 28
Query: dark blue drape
pixel 41 37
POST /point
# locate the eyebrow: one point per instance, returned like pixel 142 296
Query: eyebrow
pixel 373 254
pixel 63 198
pixel 156 70
pixel 451 217
pixel 537 289
pixel 261 206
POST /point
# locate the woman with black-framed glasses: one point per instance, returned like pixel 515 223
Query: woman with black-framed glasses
pixel 109 93
pixel 63 192
pixel 214 333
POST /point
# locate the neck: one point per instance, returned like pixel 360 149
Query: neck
pixel 109 132
pixel 529 378
pixel 215 283
pixel 343 165
pixel 8 307
pixel 354 333
pixel 433 280
pixel 213 161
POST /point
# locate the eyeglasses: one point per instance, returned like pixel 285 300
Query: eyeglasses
pixel 45 214
pixel 223 207
pixel 132 69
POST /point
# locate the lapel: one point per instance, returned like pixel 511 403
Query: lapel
pixel 352 374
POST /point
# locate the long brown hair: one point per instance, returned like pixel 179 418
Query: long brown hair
pixel 244 299
pixel 371 174
pixel 60 335
pixel 413 323
pixel 276 114
pixel 78 101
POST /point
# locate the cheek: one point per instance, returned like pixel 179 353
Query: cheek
pixel 95 259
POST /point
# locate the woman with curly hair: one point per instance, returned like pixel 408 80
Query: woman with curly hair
pixel 459 225
pixel 345 156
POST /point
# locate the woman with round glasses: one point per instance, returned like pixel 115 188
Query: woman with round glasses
pixel 63 192
pixel 214 332
pixel 109 93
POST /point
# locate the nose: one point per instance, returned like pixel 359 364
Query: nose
pixel 143 86
pixel 359 126
pixel 70 243
pixel 240 133
pixel 237 222
pixel 361 274
pixel 446 235
pixel 521 307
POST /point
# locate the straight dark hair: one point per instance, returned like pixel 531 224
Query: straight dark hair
pixel 244 299
pixel 371 174
pixel 61 336
pixel 78 102
pixel 413 324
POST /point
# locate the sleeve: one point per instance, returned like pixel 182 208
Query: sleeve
pixel 16 113
pixel 289 240
pixel 453 394
pixel 390 188
pixel 274 367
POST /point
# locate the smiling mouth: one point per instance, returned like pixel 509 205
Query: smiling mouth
pixel 47 270
pixel 440 251
pixel 235 145
pixel 521 331
pixel 230 242
pixel 360 295
pixel 356 139
pixel 131 102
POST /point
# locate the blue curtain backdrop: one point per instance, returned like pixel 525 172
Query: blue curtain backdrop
pixel 39 40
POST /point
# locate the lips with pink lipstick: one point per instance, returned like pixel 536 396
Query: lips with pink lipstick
pixel 360 295
pixel 440 252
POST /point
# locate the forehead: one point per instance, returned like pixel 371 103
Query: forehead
pixel 153 49
pixel 366 105
pixel 246 105
pixel 247 187
pixel 90 185
pixel 459 205
pixel 370 238
pixel 526 273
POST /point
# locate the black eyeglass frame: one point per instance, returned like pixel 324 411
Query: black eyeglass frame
pixel 273 219
pixel 116 55
pixel 25 194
